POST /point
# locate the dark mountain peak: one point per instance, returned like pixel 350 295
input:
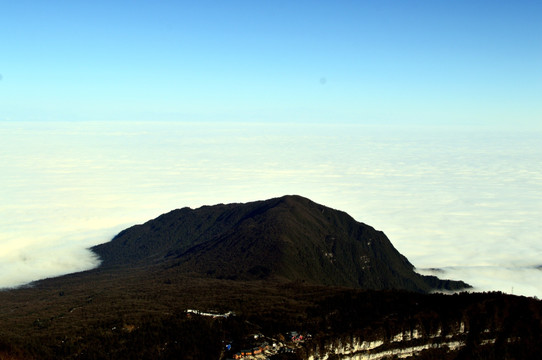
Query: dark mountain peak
pixel 292 200
pixel 296 202
pixel 288 238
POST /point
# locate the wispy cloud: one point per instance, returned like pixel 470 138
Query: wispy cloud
pixel 517 280
pixel 34 262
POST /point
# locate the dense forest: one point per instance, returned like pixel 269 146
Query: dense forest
pixel 126 316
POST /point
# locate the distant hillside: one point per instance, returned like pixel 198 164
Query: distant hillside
pixel 289 238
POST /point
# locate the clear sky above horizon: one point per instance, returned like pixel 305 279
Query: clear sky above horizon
pixel 424 62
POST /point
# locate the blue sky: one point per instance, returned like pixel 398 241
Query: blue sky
pixel 424 62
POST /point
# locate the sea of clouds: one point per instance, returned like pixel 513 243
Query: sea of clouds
pixel 465 201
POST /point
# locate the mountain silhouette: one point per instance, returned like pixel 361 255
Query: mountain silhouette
pixel 290 238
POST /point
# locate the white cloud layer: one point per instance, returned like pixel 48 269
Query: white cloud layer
pixel 467 201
